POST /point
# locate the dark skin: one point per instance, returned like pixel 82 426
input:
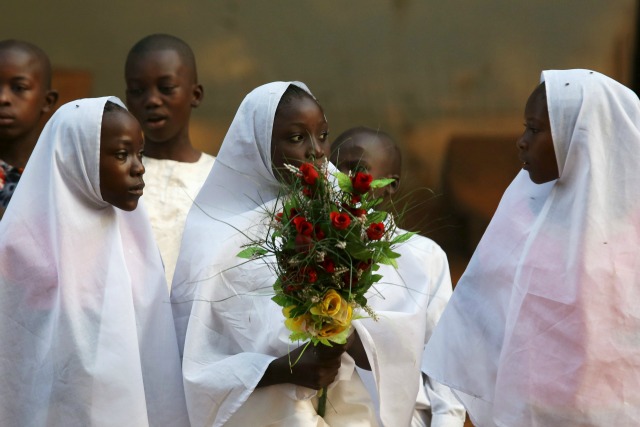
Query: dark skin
pixel 121 168
pixel 370 153
pixel 161 92
pixel 536 150
pixel 25 97
pixel 300 135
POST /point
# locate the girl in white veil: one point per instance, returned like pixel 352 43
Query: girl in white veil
pixel 543 328
pixel 85 324
pixel 233 334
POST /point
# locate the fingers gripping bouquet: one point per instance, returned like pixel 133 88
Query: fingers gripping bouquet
pixel 328 242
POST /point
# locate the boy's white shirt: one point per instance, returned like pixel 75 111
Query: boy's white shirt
pixel 85 323
pixel 171 188
pixel 543 327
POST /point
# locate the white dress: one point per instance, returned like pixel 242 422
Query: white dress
pixel 543 328
pixel 85 321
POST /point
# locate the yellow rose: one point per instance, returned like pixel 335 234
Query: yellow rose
pixel 330 330
pixel 296 324
pixel 334 307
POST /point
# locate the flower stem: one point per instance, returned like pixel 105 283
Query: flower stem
pixel 322 401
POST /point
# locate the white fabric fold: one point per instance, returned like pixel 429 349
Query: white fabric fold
pixel 85 321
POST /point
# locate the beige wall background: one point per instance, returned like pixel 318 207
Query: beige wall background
pixel 423 70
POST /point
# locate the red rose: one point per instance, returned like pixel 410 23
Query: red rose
pixel 361 182
pixel 319 233
pixel 308 192
pixel 328 265
pixel 349 279
pixel 375 231
pixel 303 243
pixel 309 173
pixel 355 199
pixel 303 226
pixel 357 212
pixel 310 275
pixel 364 265
pixel 340 220
pixel 293 212
pixel 279 216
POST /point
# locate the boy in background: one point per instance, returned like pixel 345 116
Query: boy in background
pixel 25 97
pixel 362 149
pixel 162 89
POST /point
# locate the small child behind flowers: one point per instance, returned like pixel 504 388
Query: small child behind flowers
pixel 87 333
pixel 371 151
pixel 543 327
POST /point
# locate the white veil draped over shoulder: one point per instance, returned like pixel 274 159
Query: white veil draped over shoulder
pixel 85 321
pixel 544 326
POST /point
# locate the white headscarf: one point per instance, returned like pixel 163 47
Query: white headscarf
pixel 544 325
pixel 230 328
pixel 85 324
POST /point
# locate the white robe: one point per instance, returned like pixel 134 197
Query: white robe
pixel 543 328
pixel 85 324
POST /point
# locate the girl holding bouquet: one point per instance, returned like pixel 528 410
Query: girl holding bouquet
pixel 239 366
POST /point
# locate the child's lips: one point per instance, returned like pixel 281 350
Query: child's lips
pixel 155 122
pixel 137 190
pixel 6 120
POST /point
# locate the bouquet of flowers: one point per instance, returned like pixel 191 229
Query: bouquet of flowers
pixel 328 240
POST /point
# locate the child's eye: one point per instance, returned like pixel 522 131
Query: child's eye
pixel 167 89
pixel 324 135
pixel 121 155
pixel 20 88
pixel 296 138
pixel 134 92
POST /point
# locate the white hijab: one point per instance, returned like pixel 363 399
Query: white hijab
pixel 85 324
pixel 544 325
pixel 231 330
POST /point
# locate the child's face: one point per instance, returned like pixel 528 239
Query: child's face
pixel 23 93
pixel 370 154
pixel 299 135
pixel 536 143
pixel 161 91
pixel 121 169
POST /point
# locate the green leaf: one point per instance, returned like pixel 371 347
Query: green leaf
pixel 389 261
pixel 376 277
pixel 252 252
pixel 375 217
pixel 281 300
pixel 344 182
pixel 382 182
pixel 402 237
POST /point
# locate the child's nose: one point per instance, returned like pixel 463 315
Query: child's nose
pixel 316 149
pixel 520 143
pixel 137 168
pixel 4 96
pixel 153 99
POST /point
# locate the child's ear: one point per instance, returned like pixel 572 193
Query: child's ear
pixel 393 187
pixel 50 100
pixel 198 95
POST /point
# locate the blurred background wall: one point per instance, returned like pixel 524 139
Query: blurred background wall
pixel 448 78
